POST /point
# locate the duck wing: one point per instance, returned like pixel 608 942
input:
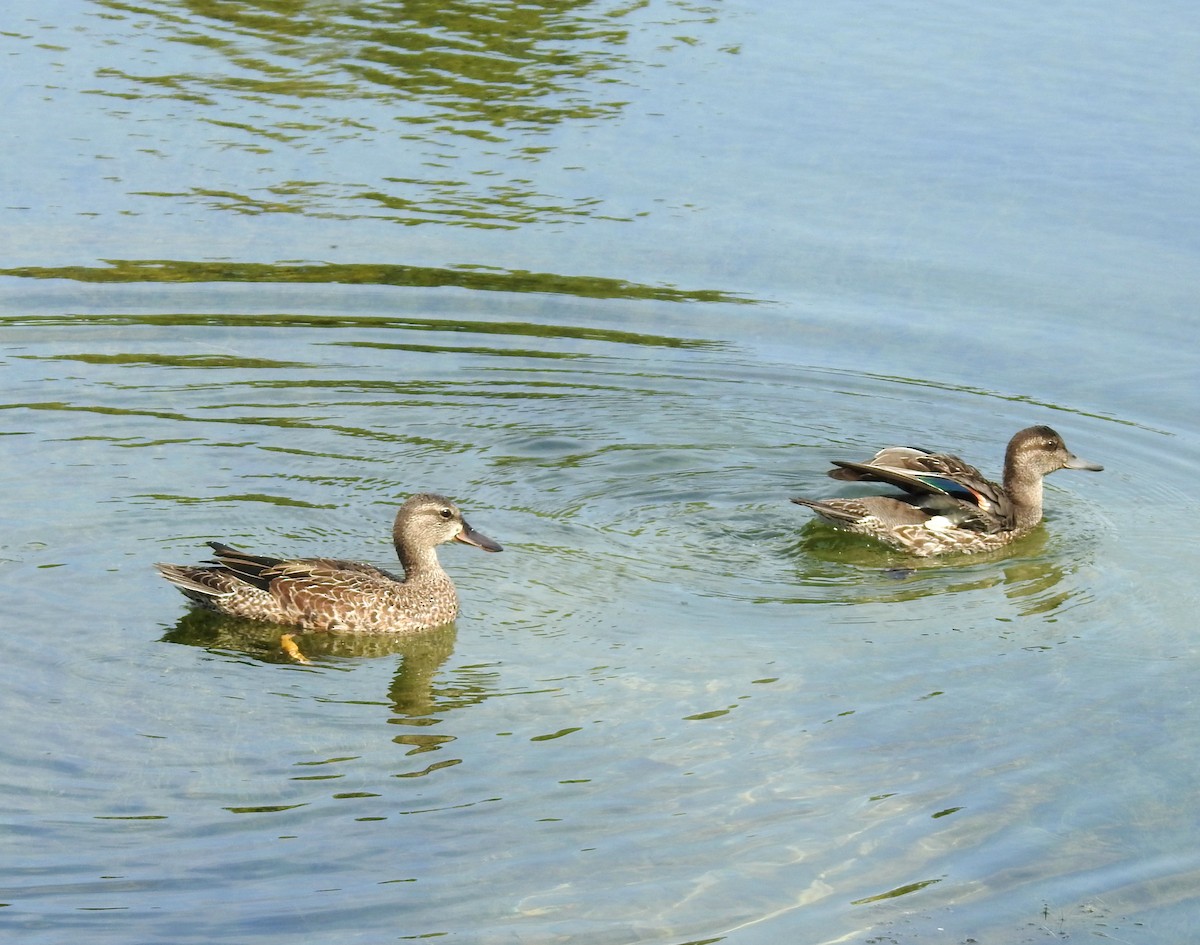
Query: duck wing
pixel 920 472
pixel 260 570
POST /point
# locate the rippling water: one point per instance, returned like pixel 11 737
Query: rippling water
pixel 657 265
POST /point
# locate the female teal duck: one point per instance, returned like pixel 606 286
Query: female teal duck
pixel 334 595
pixel 949 507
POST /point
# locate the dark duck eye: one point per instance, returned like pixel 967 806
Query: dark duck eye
pixel 446 514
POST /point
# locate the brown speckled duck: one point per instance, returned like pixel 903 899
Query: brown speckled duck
pixel 948 506
pixel 334 595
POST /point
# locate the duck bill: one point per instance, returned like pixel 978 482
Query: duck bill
pixel 1076 463
pixel 468 536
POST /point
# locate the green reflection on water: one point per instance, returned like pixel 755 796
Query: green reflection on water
pixel 462 349
pixel 502 64
pixel 238 497
pixel 167 360
pixel 281 320
pixel 896 893
pixel 473 277
pixel 444 105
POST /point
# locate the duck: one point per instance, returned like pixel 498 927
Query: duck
pixel 328 594
pixel 947 506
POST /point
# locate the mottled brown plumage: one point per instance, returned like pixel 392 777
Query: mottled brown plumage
pixel 948 506
pixel 335 595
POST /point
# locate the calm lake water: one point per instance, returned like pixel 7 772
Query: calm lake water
pixel 621 278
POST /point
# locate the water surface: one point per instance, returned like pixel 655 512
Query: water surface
pixel 621 279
